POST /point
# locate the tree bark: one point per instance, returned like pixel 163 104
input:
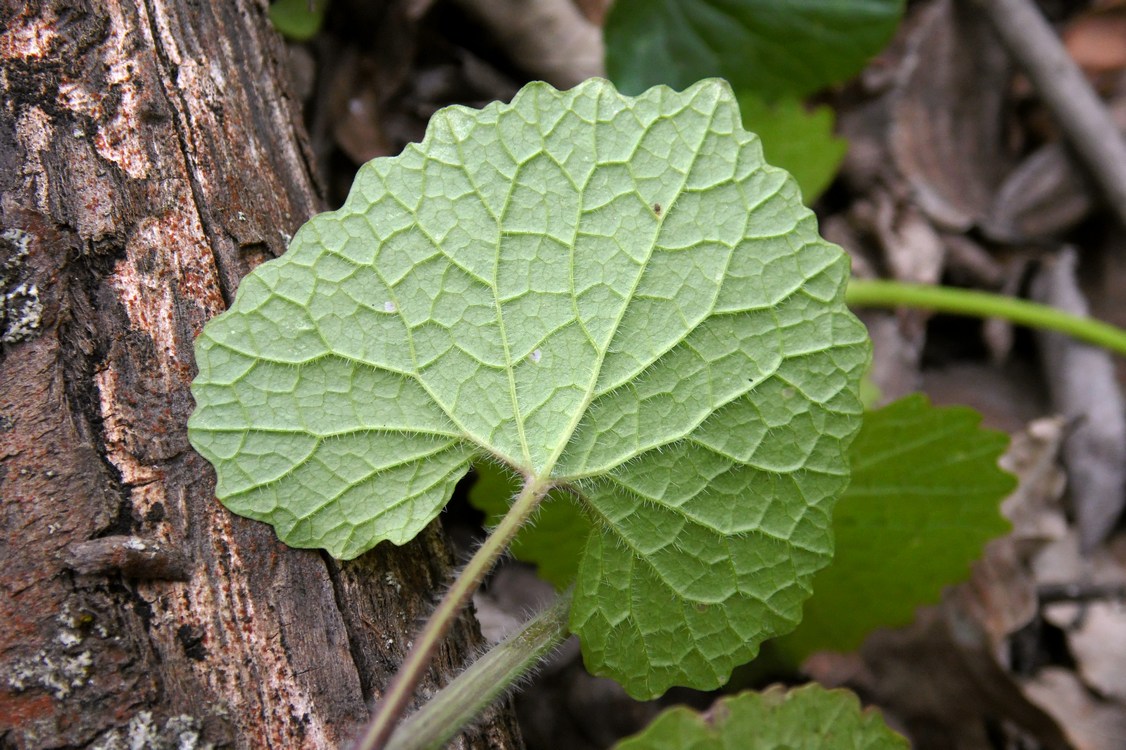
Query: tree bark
pixel 149 158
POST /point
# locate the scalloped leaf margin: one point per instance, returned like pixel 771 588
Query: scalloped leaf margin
pixel 805 718
pixel 611 295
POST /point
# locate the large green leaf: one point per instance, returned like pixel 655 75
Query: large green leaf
pixel 607 294
pixel 806 718
pixel 772 48
pixel 924 499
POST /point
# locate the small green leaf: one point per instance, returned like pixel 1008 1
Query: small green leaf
pixel 299 20
pixel 806 718
pixel 798 140
pixel 612 296
pixel 773 48
pixel 924 499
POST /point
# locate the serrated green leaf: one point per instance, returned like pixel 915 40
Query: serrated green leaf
pixel 798 140
pixel 924 499
pixel 609 294
pixel 806 718
pixel 773 48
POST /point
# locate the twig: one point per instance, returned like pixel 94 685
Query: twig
pixel 1084 119
pixel 1083 389
pixel 1052 593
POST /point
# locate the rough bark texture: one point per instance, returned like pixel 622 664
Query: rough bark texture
pixel 149 158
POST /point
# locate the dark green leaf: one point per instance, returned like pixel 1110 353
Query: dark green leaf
pixel 773 48
pixel 924 499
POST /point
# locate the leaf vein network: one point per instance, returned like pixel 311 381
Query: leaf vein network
pixel 409 498
pixel 695 520
pixel 590 390
pixel 639 558
pixel 312 455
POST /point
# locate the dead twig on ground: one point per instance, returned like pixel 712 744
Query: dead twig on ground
pixel 1081 114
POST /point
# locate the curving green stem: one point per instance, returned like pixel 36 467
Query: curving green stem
pixel 863 293
pixel 471 692
pixel 426 644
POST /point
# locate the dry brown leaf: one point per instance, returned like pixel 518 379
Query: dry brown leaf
pixel 1084 390
pixel 1098 644
pixel 594 10
pixel 1035 507
pixel 867 163
pixel 356 128
pixel 1043 197
pixel 913 249
pixel 1006 396
pixel 1096 628
pixel 941 677
pixel 946 131
pixel 897 348
pixel 1090 724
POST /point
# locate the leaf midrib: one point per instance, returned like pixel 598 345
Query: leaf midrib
pixel 596 373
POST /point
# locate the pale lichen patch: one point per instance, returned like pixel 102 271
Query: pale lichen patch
pixel 182 732
pixel 58 674
pixel 33 131
pixel 21 310
pixel 59 669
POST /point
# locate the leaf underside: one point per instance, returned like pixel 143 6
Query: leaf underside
pixel 611 294
pixel 806 718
